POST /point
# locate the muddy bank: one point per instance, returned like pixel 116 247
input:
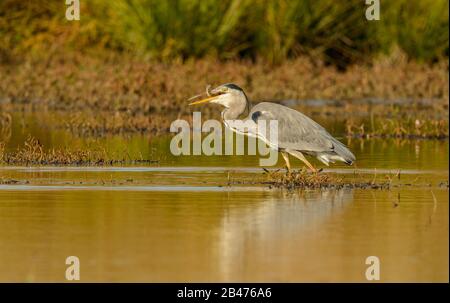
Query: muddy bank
pixel 268 179
pixel 123 84
pixel 115 95
pixel 303 179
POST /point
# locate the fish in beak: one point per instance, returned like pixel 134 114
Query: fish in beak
pixel 211 95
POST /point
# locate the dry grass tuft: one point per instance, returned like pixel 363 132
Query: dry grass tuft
pixel 400 127
pixel 303 179
pixel 33 153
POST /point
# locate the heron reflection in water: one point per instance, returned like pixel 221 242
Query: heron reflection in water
pixel 298 135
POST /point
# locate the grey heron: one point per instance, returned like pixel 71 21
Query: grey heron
pixel 298 135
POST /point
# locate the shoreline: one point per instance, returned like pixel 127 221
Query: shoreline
pixel 96 97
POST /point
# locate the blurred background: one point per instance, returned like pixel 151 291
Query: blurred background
pixel 335 32
pixel 128 66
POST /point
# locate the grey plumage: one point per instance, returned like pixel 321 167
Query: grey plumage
pixel 297 133
pixel 301 133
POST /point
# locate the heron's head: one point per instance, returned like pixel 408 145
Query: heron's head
pixel 228 95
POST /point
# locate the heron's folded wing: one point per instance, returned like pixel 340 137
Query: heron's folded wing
pixel 295 130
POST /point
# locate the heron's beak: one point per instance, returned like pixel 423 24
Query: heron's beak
pixel 206 100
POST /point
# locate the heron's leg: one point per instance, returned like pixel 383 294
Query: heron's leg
pixel 300 156
pixel 286 159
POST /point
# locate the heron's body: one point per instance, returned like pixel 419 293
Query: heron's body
pixel 297 133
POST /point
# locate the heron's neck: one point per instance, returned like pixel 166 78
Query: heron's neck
pixel 237 107
pixel 231 113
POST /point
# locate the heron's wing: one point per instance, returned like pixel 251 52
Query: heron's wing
pixel 295 130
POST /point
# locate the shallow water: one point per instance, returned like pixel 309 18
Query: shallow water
pixel 210 235
pixel 179 220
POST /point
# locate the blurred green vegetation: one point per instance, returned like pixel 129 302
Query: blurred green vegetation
pixel 335 32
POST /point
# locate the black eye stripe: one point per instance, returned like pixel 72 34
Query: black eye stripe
pixel 232 86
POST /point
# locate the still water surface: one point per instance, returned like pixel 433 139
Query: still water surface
pixel 166 235
pixel 178 220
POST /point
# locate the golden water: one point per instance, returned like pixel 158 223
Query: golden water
pixel 177 220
